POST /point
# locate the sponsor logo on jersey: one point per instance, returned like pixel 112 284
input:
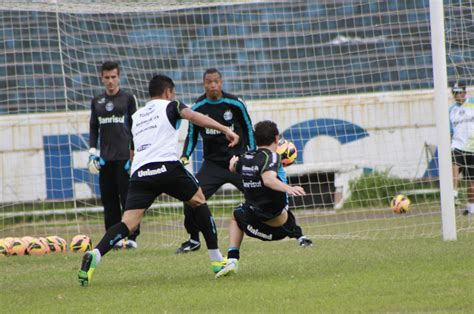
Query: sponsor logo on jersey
pixel 251 169
pixel 152 172
pixel 109 106
pixel 143 147
pixel 228 115
pixel 112 119
pixel 258 233
pixel 215 132
pixel 252 184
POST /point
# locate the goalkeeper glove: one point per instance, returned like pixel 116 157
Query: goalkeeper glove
pixel 95 162
pixel 184 160
pixel 127 166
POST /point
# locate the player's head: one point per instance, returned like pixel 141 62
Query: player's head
pixel 110 76
pixel 459 91
pixel 161 86
pixel 266 133
pixel 212 80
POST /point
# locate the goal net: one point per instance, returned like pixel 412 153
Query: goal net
pixel 349 82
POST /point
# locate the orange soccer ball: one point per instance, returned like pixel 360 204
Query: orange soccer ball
pixel 400 204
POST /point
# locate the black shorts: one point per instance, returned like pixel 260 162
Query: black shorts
pixel 465 161
pixel 151 180
pixel 255 228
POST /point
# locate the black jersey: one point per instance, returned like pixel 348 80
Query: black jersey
pixel 111 123
pixel 262 201
pixel 229 111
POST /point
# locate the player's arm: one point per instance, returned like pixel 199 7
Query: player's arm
pixel 271 181
pixel 93 127
pixel 246 123
pixel 270 176
pixel 190 142
pixel 206 122
pixel 234 164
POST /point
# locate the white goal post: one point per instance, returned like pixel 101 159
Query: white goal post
pixel 360 87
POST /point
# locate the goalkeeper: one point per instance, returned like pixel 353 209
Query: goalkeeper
pixel 265 214
pixel 461 117
pixel 110 121
pixel 230 111
pixel 156 169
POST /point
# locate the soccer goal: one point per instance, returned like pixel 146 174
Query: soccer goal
pixel 350 83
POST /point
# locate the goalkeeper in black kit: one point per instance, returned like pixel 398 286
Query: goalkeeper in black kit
pixel 110 125
pixel 264 214
pixel 230 111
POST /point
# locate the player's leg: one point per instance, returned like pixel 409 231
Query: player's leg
pixel 469 176
pixel 123 178
pixel 141 194
pixel 109 195
pixel 236 236
pixel 205 221
pixel 292 230
pixel 130 221
pixel 210 180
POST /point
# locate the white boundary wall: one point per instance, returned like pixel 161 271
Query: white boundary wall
pixel 398 124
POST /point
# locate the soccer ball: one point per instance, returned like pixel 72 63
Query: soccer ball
pixel 80 243
pixel 53 244
pixel 36 247
pixel 18 247
pixel 61 242
pixel 287 151
pixel 45 244
pixel 400 204
pixel 3 248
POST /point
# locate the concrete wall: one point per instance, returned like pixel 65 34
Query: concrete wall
pixel 44 156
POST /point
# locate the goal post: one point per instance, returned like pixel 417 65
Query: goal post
pixel 438 47
pixel 360 88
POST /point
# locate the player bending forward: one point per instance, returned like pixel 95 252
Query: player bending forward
pixel 156 170
pixel 265 214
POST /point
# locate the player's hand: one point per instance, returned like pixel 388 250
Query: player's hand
pixel 232 163
pixel 127 166
pixel 296 190
pixel 184 160
pixel 95 162
pixel 232 137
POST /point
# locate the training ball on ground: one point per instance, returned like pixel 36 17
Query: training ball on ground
pixel 80 243
pixel 3 248
pixel 18 247
pixel 62 243
pixel 53 244
pixel 400 204
pixel 36 247
pixel 287 151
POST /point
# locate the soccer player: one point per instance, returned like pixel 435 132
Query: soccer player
pixel 461 117
pixel 264 214
pixel 230 111
pixel 156 169
pixel 110 121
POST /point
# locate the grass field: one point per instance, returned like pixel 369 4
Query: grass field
pixel 419 275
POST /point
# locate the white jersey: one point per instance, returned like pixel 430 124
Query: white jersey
pixel 461 118
pixel 154 137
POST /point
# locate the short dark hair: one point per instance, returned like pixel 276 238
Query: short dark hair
pixel 459 87
pixel 158 84
pixel 109 66
pixel 211 71
pixel 265 132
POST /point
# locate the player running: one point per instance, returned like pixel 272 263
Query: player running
pixel 156 169
pixel 265 214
